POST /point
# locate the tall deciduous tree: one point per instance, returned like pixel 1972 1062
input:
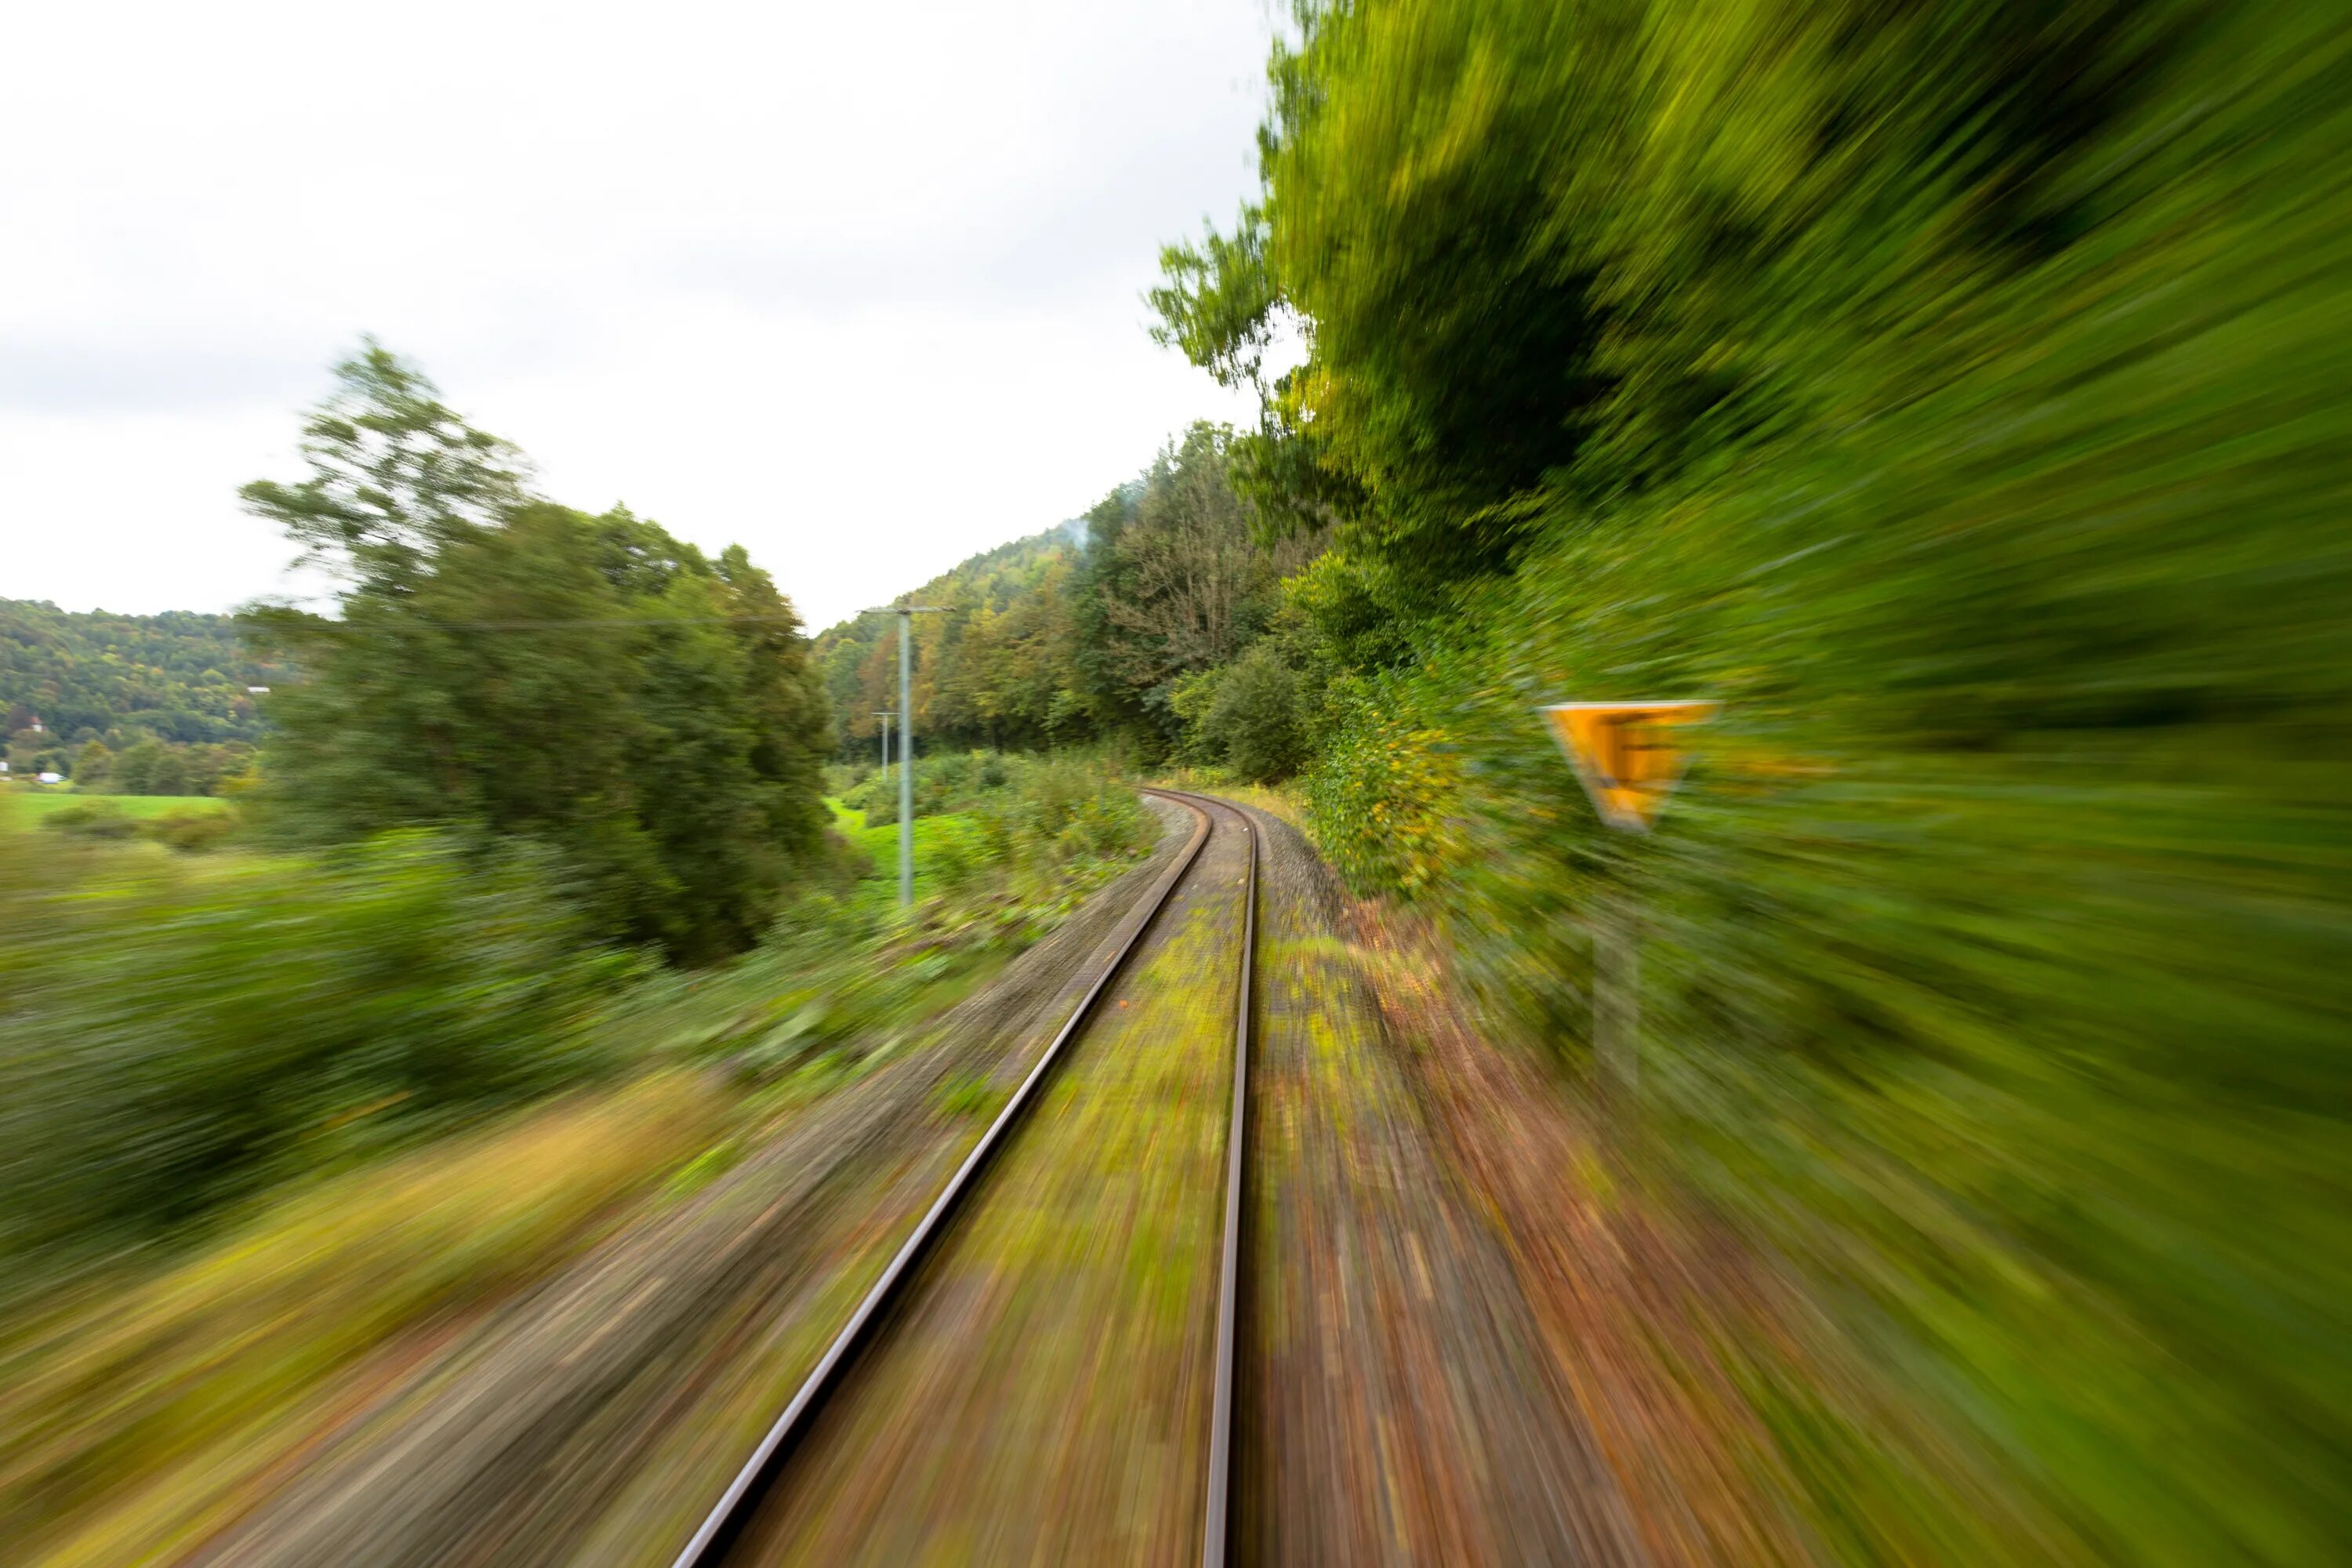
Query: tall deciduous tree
pixel 1179 577
pixel 506 665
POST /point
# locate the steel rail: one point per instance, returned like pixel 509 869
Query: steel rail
pixel 723 1526
pixel 1216 1530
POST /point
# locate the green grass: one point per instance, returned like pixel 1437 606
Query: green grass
pixel 954 836
pixel 20 807
pixel 137 1396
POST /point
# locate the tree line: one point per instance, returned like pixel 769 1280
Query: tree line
pixel 1148 624
pixel 134 704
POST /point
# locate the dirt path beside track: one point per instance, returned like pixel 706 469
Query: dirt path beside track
pixel 1405 1408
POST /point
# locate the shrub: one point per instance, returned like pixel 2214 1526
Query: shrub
pixel 1382 794
pixel 95 819
pixel 1253 717
pixel 192 828
pixel 174 1031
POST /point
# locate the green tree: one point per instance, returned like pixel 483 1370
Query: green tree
pixel 1179 579
pixel 1254 717
pixel 506 664
pixel 170 774
pixel 136 769
pixel 93 766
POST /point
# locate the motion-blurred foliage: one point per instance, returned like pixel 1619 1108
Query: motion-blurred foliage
pixel 503 664
pixel 229 1086
pixel 136 1407
pixel 943 782
pixel 180 1032
pixel 1031 814
pixel 1960 392
pixel 185 827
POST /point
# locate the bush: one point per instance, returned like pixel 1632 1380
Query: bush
pixel 949 782
pixel 96 819
pixel 1064 808
pixel 192 828
pixel 174 1032
pixel 1382 794
pixel 182 828
pixel 1253 717
pixel 1190 699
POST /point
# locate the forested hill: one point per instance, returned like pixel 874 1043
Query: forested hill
pixel 1159 622
pixel 178 677
pixel 1001 646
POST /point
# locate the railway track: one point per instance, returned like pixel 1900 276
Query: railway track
pixel 726 1532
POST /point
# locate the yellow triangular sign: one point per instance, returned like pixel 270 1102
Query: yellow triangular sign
pixel 1626 753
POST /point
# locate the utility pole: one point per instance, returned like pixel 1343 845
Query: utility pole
pixel 906 762
pixel 907 614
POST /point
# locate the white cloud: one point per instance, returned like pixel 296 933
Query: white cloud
pixel 855 286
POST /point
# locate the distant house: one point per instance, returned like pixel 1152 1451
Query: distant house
pixel 258 691
pixel 50 778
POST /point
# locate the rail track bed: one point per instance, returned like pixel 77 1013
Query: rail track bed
pixel 1046 1370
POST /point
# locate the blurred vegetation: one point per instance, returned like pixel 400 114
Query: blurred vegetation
pixel 1058 805
pixel 24 807
pixel 189 823
pixel 185 1031
pixel 263 1114
pixel 511 668
pixel 132 1397
pixel 1960 394
pixel 944 782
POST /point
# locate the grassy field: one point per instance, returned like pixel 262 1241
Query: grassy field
pixel 23 807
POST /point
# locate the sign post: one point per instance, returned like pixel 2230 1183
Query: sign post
pixel 1629 759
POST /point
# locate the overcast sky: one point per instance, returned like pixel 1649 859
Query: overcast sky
pixel 856 285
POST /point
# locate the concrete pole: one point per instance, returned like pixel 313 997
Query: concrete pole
pixel 905 759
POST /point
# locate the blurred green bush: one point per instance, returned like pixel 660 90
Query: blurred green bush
pixel 93 819
pixel 1058 806
pixel 947 782
pixel 175 1033
pixel 190 828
